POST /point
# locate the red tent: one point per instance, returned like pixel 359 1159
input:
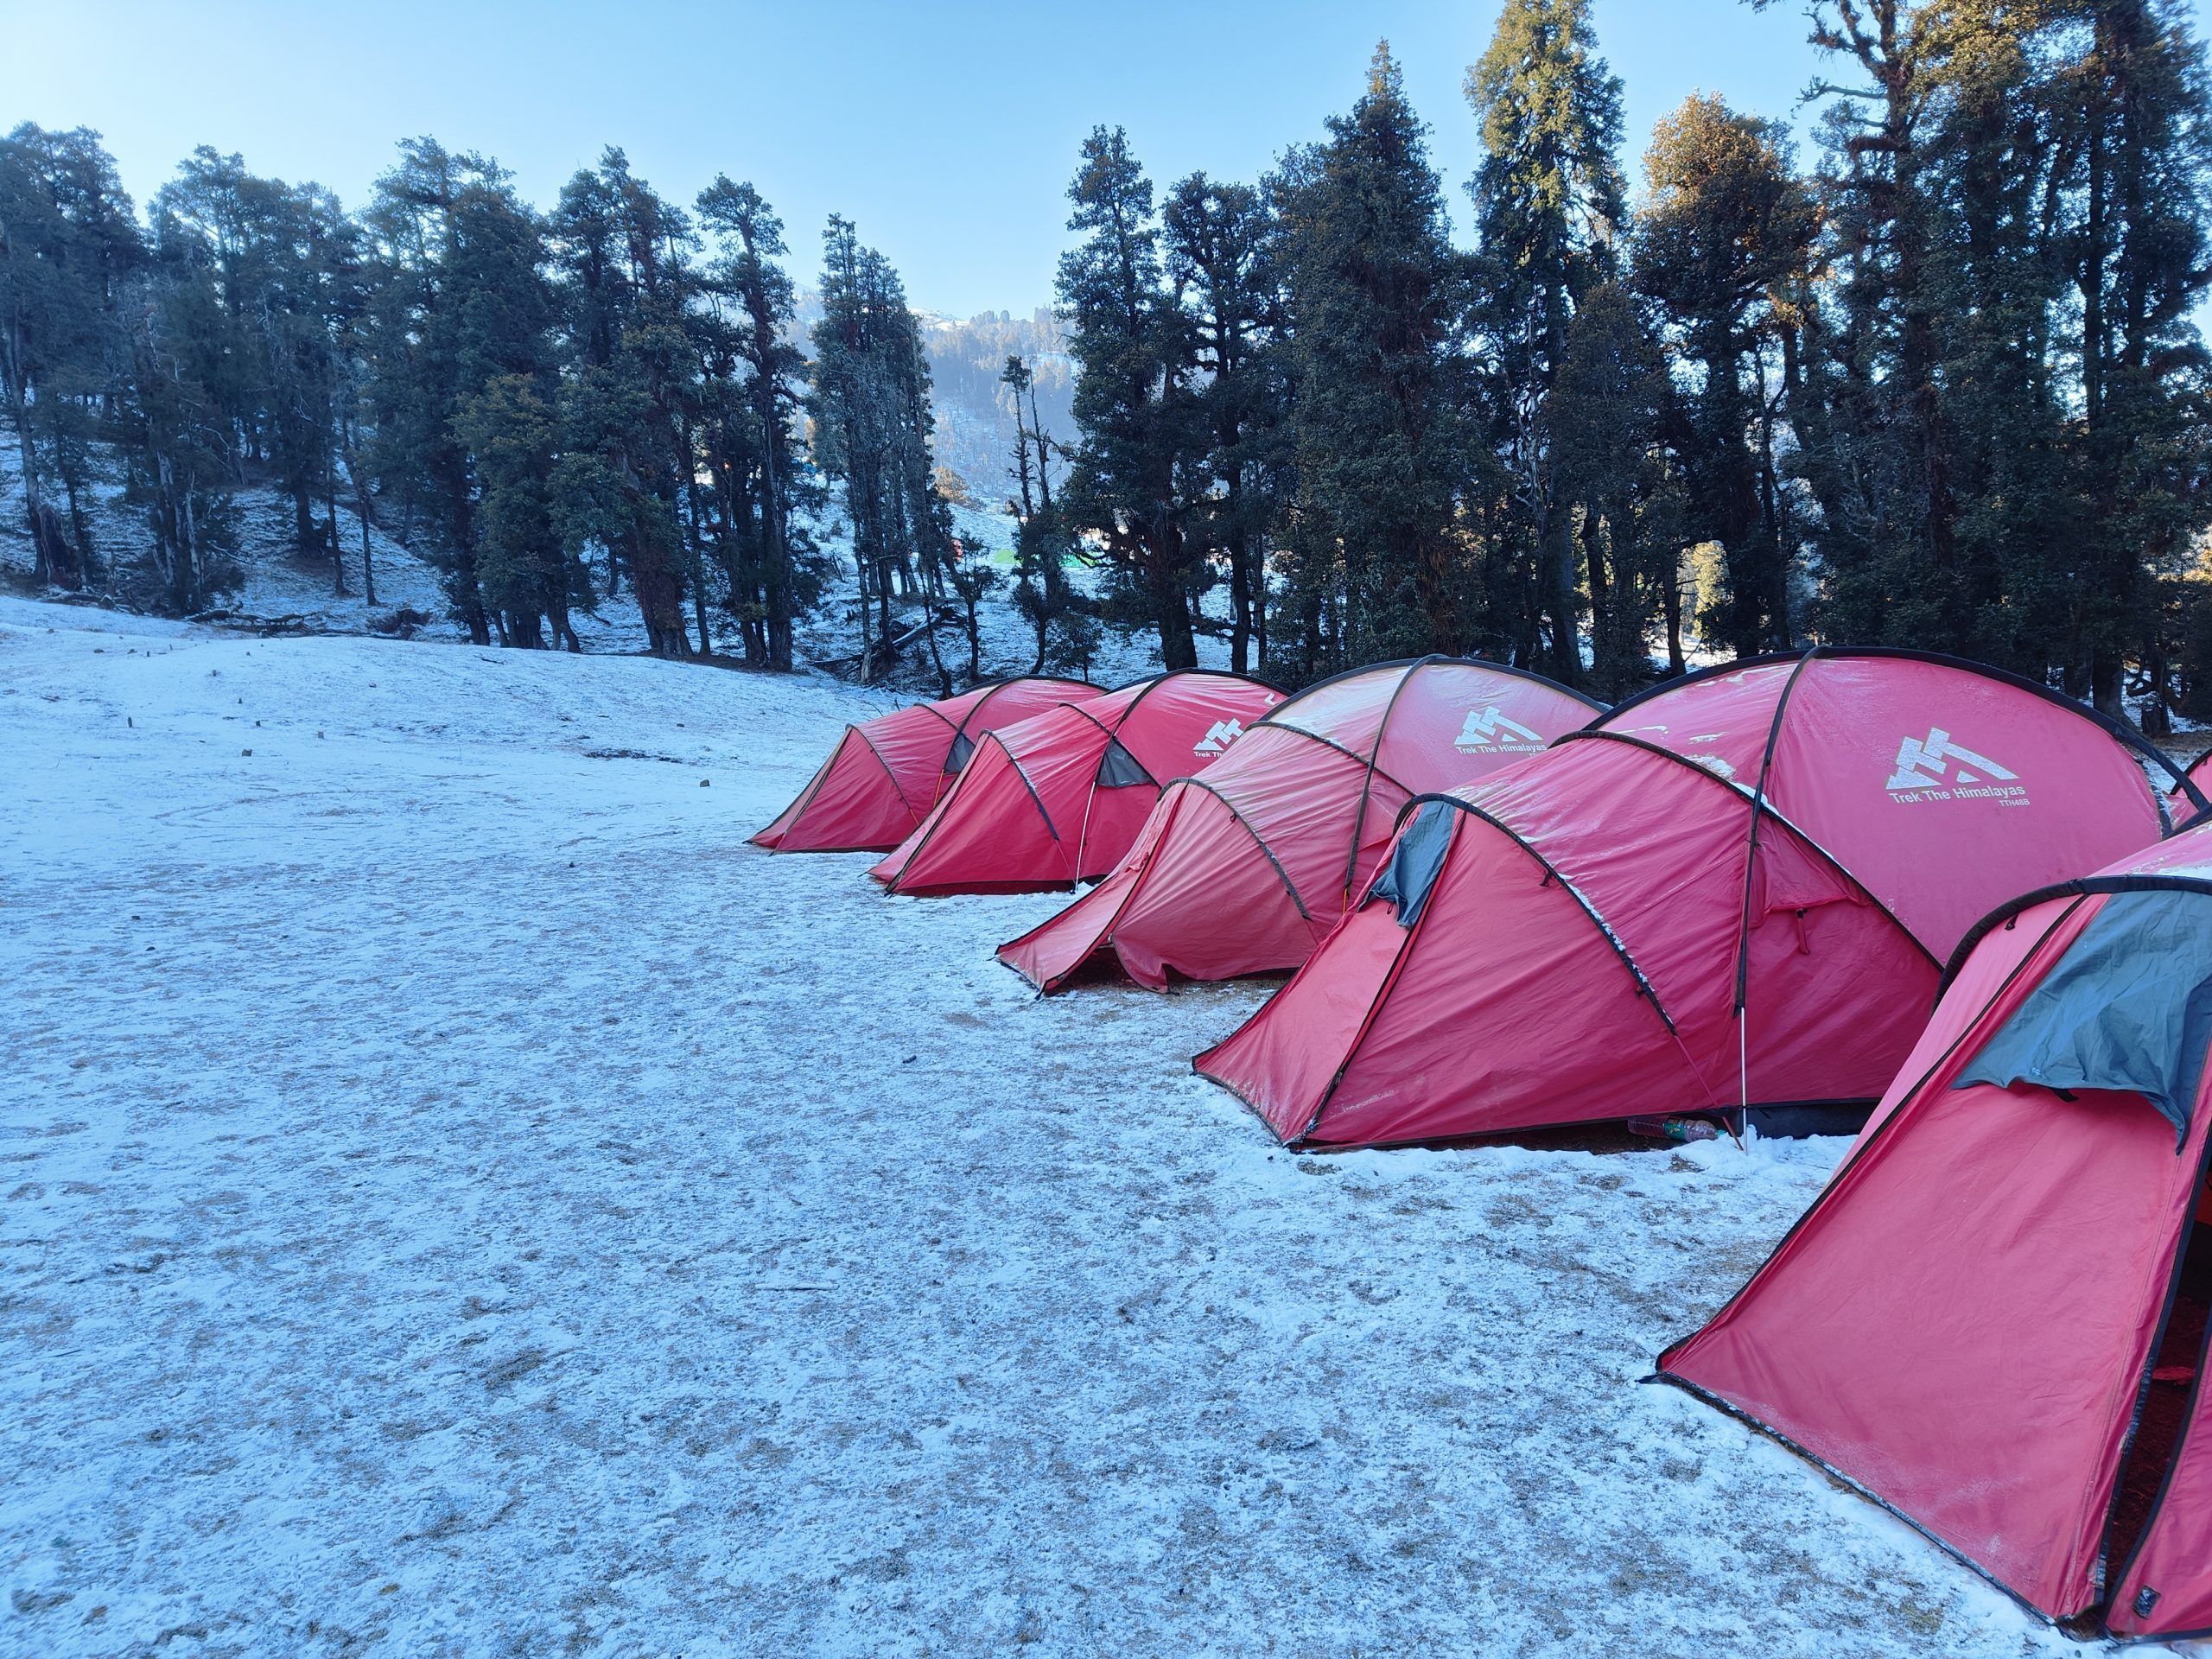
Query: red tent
pixel 1244 870
pixel 1730 893
pixel 1992 1320
pixel 2198 774
pixel 1057 799
pixel 886 773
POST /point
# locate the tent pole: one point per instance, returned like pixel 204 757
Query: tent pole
pixel 1743 1064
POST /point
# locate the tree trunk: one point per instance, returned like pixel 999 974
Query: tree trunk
pixel 337 546
pixel 368 561
pixel 1606 628
pixel 867 600
pixel 660 602
pixel 2105 683
pixel 34 497
pixel 1558 558
pixel 1179 645
pixel 1670 606
pixel 937 657
pixel 1239 594
pixel 81 536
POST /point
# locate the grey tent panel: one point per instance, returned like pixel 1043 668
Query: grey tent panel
pixel 1412 869
pixel 1118 768
pixel 2128 1007
pixel 963 746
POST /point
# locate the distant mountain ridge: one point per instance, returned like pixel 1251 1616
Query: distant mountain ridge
pixel 974 413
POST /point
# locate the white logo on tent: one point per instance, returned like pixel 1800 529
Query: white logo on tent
pixel 1219 736
pixel 1933 769
pixel 1487 728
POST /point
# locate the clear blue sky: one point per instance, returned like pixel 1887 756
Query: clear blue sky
pixel 948 131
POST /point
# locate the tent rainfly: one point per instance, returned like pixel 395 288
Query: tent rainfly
pixel 1730 894
pixel 1244 869
pixel 1992 1319
pixel 886 773
pixel 2199 774
pixel 1058 798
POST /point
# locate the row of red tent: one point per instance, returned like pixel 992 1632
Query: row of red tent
pixel 1503 907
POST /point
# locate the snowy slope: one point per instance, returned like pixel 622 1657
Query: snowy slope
pixel 462 1199
pixel 276 582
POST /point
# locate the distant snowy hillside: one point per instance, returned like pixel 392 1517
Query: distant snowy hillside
pixel 974 413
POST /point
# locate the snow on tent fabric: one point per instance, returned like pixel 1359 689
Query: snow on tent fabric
pixel 1992 1319
pixel 1730 894
pixel 886 773
pixel 1245 869
pixel 1057 799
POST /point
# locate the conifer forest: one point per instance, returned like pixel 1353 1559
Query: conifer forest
pixel 1937 379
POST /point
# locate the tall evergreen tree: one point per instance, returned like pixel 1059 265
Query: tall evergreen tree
pixel 1867 398
pixel 779 571
pixel 178 414
pixel 529 575
pixel 1379 561
pixel 1725 236
pixel 620 255
pixel 68 247
pixel 1606 423
pixel 1549 209
pixel 459 302
pixel 1133 404
pixel 286 267
pixel 873 430
pixel 2014 198
pixel 1219 242
pixel 2136 256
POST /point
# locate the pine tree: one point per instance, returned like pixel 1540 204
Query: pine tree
pixel 1219 244
pixel 1999 398
pixel 1866 396
pixel 620 254
pixel 2138 260
pixel 1608 408
pixel 458 301
pixel 177 407
pixel 1548 208
pixel 1727 233
pixel 778 570
pixel 1995 161
pixel 529 574
pixel 873 424
pixel 1379 563
pixel 287 280
pixel 68 247
pixel 1134 406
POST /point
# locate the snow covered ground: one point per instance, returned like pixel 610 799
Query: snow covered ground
pixel 462 1199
